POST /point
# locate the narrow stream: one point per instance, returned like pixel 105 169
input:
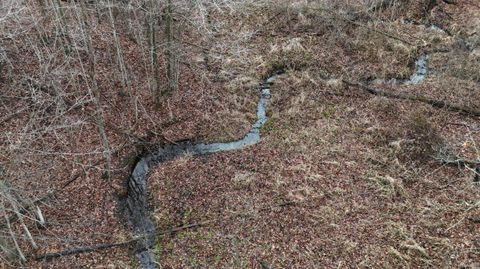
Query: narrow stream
pixel 136 204
pixel 421 71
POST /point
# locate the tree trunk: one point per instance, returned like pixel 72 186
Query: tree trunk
pixel 152 42
pixel 170 50
pixel 118 51
pixel 94 91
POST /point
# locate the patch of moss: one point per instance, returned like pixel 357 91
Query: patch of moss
pixel 329 112
pixel 130 160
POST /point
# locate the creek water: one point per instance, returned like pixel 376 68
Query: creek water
pixel 136 202
pixel 421 70
pixel 420 73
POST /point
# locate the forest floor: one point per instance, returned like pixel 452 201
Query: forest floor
pixel 341 178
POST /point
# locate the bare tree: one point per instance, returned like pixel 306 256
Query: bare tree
pixel 126 84
pixel 170 49
pixel 151 30
pixel 94 90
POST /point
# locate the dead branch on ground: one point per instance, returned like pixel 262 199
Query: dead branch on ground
pixel 419 98
pixel 93 248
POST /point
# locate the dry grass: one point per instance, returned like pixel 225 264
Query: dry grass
pixel 358 169
pixel 356 201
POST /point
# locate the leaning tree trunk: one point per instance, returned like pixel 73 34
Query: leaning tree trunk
pixel 62 25
pixel 96 91
pixel 170 50
pixel 153 52
pixel 119 53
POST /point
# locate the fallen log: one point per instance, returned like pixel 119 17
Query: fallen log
pixel 419 98
pixel 80 250
pixel 451 2
pixel 93 248
pixel 87 249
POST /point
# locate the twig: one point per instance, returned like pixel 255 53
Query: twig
pixel 470 128
pixel 378 31
pixel 474 220
pixel 12 115
pixel 78 174
pixel 477 204
pixel 51 194
pixel 458 162
pixel 26 207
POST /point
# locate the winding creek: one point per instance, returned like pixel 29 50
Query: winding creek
pixel 136 204
pixel 421 70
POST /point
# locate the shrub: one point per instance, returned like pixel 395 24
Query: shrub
pixel 423 138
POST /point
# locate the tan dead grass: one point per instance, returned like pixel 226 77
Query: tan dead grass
pixel 319 146
pixel 397 216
